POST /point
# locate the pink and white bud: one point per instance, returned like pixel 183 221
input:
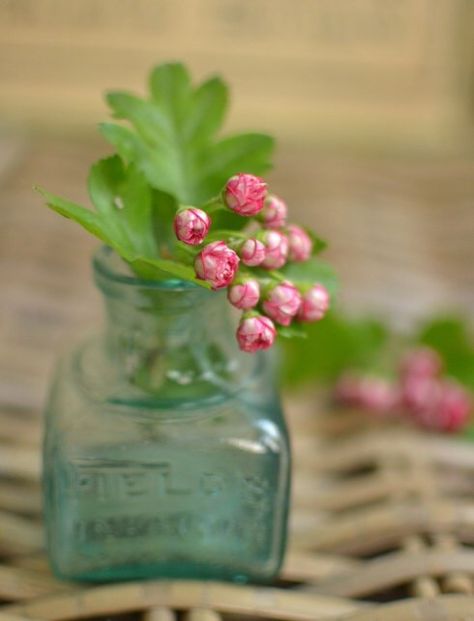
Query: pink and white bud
pixel 421 362
pixel 274 213
pixel 375 394
pixel 282 303
pixel 378 395
pixel 314 304
pixel 245 294
pixel 276 250
pixel 420 395
pixel 454 407
pixel 191 225
pixel 446 408
pixel 255 332
pixel 252 252
pixel 245 194
pixel 300 244
pixel 217 264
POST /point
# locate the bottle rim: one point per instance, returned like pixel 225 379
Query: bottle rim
pixel 110 268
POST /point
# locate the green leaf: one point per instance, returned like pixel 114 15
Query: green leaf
pixel 210 101
pixel 172 138
pixel 293 331
pixel 311 272
pixel 318 244
pixel 241 153
pixel 123 139
pixel 332 346
pixel 89 220
pixel 159 268
pixel 450 337
pixel 123 198
pixel 170 87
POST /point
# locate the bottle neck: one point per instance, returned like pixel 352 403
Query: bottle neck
pixel 168 338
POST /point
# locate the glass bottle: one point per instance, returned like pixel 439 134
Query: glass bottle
pixel 165 449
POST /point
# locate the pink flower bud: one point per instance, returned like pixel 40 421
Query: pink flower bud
pixel 378 395
pixel 420 394
pixel 245 194
pixel 299 243
pixel 314 304
pixel 445 405
pixel 274 213
pixel 244 295
pixel 276 250
pixel 255 332
pixel 191 225
pixel 282 303
pixel 217 264
pixel 453 408
pixel 421 362
pixel 252 252
pixel 375 394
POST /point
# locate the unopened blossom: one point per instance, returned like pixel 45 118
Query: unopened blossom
pixel 245 294
pixel 420 394
pixel 282 303
pixel 255 332
pixel 252 252
pixel 245 194
pixel 446 408
pixel 314 304
pixel 191 225
pixel 217 264
pixel 421 362
pixel 372 393
pixel 274 213
pixel 454 407
pixel 378 395
pixel 276 249
pixel 300 244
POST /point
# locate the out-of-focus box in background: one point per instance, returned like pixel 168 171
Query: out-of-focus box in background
pixel 371 101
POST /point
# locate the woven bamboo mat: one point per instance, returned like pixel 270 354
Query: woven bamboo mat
pixel 382 524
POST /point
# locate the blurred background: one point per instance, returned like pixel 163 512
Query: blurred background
pixel 372 104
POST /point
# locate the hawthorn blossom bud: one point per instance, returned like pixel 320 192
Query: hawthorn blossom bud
pixel 245 294
pixel 282 303
pixel 446 406
pixel 421 362
pixel 314 304
pixel 378 395
pixel 453 408
pixel 245 194
pixel 252 252
pixel 191 225
pixel 217 264
pixel 372 393
pixel 420 394
pixel 276 250
pixel 255 332
pixel 300 243
pixel 274 213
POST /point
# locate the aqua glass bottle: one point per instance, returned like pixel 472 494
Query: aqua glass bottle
pixel 165 452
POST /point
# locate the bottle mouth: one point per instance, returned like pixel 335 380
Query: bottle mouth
pixel 110 268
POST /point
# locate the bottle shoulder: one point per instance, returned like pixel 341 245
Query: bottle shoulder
pixel 88 385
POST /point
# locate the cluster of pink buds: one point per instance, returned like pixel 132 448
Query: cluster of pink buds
pixel 434 401
pixel 429 399
pixel 265 297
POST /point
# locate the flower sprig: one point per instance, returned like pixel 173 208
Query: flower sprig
pixel 172 203
pixel 247 263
